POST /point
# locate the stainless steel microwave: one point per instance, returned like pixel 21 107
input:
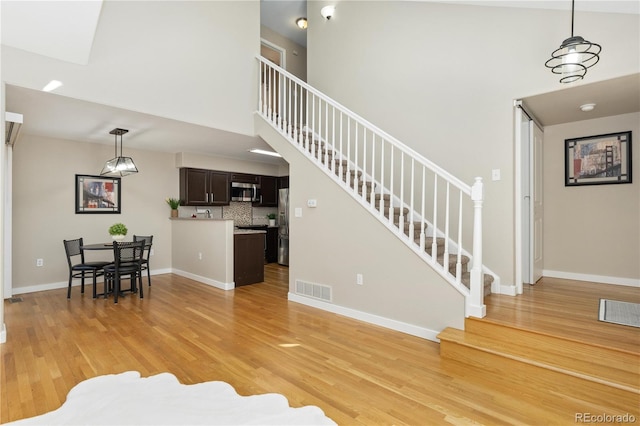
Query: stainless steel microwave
pixel 245 191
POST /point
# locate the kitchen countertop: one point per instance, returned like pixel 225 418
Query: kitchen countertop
pixel 249 231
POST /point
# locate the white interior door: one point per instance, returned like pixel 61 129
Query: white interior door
pixel 536 204
pixel 525 186
pixel 529 199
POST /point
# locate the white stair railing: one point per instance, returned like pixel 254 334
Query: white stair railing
pixel 413 197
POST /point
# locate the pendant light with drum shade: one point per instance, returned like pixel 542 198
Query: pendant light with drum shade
pixel 574 56
pixel 119 166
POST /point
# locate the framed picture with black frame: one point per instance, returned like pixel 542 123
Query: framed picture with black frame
pixel 598 160
pixel 98 194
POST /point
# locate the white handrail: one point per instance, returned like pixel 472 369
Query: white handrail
pixel 307 118
pixel 431 165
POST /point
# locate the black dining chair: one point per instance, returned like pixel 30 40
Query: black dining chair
pixel 148 241
pixel 73 248
pixel 127 261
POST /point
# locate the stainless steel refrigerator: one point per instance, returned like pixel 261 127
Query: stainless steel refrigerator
pixel 283 227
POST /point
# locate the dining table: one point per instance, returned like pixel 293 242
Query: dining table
pixel 109 246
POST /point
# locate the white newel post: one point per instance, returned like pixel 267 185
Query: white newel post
pixel 475 304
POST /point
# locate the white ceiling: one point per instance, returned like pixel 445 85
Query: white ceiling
pixel 611 97
pixel 281 16
pixel 60 117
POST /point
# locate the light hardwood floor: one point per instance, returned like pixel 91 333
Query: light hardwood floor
pixel 257 341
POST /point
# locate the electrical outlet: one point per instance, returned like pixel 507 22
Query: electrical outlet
pixel 199 256
pixel 151 252
pixel 359 279
pixel 495 174
pixel 39 262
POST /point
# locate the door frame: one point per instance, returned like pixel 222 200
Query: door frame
pixel 523 151
pixel 281 50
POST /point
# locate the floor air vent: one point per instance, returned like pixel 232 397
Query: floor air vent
pixel 317 291
pixel 15 299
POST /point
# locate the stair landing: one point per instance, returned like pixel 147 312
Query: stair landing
pixel 551 335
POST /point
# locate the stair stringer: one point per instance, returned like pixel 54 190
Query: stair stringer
pixel 432 304
pixel 430 260
pixel 453 246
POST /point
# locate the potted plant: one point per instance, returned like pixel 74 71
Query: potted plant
pixel 174 203
pixel 118 231
pixel 272 219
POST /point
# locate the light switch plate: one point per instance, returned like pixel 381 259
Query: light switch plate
pixel 298 212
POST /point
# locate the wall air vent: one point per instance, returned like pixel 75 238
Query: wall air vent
pixel 13 123
pixel 317 291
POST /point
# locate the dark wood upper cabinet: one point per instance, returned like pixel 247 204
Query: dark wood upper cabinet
pixel 199 187
pixel 220 188
pixel 283 182
pixel 244 178
pixel 268 192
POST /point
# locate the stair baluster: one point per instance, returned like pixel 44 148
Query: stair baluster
pixel 308 119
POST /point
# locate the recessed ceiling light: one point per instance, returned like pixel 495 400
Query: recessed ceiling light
pixel 587 107
pixel 263 152
pixel 52 85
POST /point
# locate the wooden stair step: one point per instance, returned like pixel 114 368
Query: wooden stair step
pixel 546 355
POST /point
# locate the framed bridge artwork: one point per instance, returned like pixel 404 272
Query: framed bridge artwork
pixel 97 194
pixel 597 160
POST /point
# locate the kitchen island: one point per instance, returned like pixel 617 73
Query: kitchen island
pixel 204 250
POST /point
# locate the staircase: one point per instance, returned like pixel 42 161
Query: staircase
pixel 354 177
pixel 429 210
pixel 529 355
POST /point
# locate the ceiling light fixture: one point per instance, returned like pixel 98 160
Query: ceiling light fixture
pixel 587 107
pixel 574 56
pixel 51 86
pixel 119 165
pixel 264 152
pixel 302 23
pixel 327 12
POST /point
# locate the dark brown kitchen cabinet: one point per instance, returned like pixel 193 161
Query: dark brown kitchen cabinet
pixel 268 192
pixel 271 251
pixel 244 178
pixel 199 187
pixel 283 182
pixel 248 258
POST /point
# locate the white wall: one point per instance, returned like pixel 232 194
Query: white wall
pixel 44 172
pixel 336 240
pixel 203 250
pixel 442 79
pixel 591 230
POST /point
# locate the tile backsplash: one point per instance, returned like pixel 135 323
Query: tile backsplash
pixel 242 213
pixel 239 211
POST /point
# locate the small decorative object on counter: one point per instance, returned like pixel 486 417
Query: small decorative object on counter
pixel 174 203
pixel 118 231
pixel 272 219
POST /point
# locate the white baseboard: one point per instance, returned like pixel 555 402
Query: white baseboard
pixel 76 283
pixel 630 282
pixel 507 290
pixel 411 329
pixel 205 280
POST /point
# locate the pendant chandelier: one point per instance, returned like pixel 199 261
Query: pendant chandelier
pixel 574 56
pixel 119 165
